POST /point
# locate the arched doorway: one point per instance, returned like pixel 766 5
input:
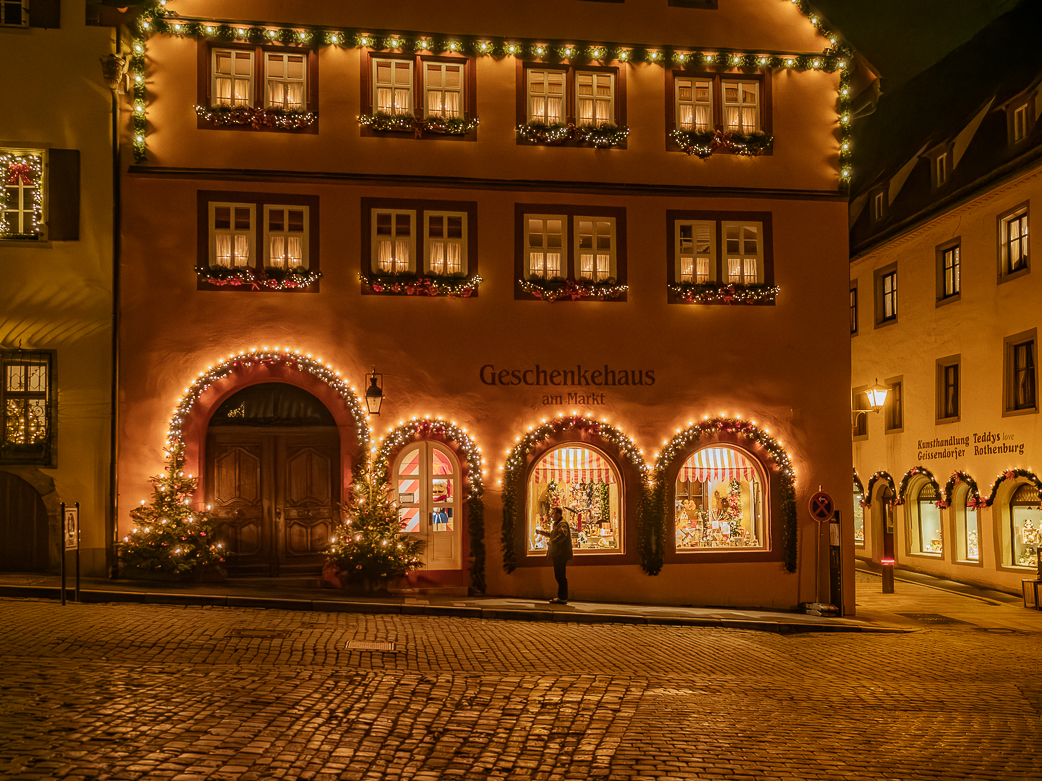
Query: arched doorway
pixel 23 526
pixel 427 484
pixel 273 479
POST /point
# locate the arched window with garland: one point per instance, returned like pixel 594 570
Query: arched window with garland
pixel 925 536
pixel 965 519
pixel 859 514
pixel 720 501
pixel 1022 530
pixel 585 483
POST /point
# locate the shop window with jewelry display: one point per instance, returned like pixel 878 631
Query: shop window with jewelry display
pixel 25 404
pixel 720 501
pixel 925 538
pixel 967 537
pixel 585 483
pixel 859 517
pixel 1022 534
pixel 427 485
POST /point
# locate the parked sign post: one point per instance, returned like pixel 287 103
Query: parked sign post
pixel 71 542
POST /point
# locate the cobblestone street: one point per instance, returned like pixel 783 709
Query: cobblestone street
pixel 165 692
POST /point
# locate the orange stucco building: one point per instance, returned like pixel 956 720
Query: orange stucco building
pixel 497 212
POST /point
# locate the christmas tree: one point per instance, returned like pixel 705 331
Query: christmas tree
pixel 168 534
pixel 368 543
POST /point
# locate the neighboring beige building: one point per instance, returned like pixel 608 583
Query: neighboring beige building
pixel 945 310
pixel 56 252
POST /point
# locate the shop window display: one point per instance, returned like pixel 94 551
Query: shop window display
pixel 926 526
pixel 427 490
pixel 966 531
pixel 1025 527
pixel 720 501
pixel 859 519
pixel 585 483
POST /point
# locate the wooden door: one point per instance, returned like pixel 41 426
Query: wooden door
pixel 23 526
pixel 274 495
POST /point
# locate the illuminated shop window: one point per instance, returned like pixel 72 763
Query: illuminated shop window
pixel 25 395
pixel 586 484
pixel 231 235
pixel 1023 533
pixel 594 98
pixel 967 537
pixel 286 237
pixel 546 96
pixel 232 77
pixel 859 518
pixel 427 485
pixel 445 234
pixel 393 241
pixel 719 502
pixel 926 537
pixel 695 251
pixel 21 195
pixel 285 81
pixel 392 86
pixel 443 89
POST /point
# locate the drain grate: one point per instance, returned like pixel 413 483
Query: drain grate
pixel 258 634
pixel 932 618
pixel 370 645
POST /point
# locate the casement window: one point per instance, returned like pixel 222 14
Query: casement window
pixel 232 230
pixel 949 390
pixel 443 89
pixel 25 406
pixel 1020 361
pixel 1022 531
pixel 743 253
pixel 886 295
pixel 967 533
pixel 880 206
pixel 232 77
pixel 595 248
pixel 14 13
pixel 545 91
pixel 545 246
pixel 707 102
pixel 39 195
pixel 594 98
pixel 741 106
pixel 285 81
pixel 258 77
pixel 940 170
pixel 392 86
pixel 853 310
pixel 394 241
pixel 950 275
pixel 286 237
pixel 1021 121
pixel 445 237
pixel 695 247
pixel 894 407
pixel 1013 239
pixel 694 103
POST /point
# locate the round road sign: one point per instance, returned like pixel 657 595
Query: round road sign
pixel 822 508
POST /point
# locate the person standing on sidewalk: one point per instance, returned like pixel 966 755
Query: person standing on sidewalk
pixel 560 552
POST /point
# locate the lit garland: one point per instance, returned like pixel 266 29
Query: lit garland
pixel 224 275
pixel 244 359
pixel 25 169
pixel 973 498
pixel 691 436
pixel 570 290
pixel 703 143
pixel 719 293
pixel 277 118
pixel 288 278
pixel 602 136
pixel 1013 474
pixel 270 279
pixel 448 126
pixel 913 472
pixel 426 428
pixel 156 20
pixel 385 121
pixel 517 462
pixel 543 133
pixel 880 475
pixel 421 285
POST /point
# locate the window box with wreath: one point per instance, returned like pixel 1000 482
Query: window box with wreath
pixel 571 105
pixel 725 112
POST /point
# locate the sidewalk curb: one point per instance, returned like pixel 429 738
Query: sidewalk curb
pixel 563 616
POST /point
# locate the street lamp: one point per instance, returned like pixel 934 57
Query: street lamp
pixel 374 394
pixel 876 396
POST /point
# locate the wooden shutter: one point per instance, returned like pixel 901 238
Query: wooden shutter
pixel 45 13
pixel 63 195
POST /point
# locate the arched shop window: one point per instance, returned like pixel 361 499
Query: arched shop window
pixel 427 481
pixel 720 501
pixel 1023 535
pixel 586 484
pixel 859 517
pixel 967 542
pixel 926 536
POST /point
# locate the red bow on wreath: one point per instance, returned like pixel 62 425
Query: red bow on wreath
pixel 20 173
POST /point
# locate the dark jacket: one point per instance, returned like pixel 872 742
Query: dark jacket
pixel 560 548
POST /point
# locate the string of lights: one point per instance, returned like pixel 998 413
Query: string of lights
pixel 18 171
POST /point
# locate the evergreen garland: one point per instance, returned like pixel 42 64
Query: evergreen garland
pixel 1012 474
pixel 916 470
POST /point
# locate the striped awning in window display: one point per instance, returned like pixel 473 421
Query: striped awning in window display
pixel 573 465
pixel 718 465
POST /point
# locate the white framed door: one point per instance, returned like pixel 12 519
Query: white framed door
pixel 427 488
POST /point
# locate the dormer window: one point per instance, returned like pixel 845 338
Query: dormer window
pixel 1021 119
pixel 941 170
pixel 880 206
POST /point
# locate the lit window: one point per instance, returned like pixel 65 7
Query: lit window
pixel 285 81
pixel 741 106
pixel 286 236
pixel 859 518
pixel 926 524
pixel 1022 534
pixel 14 13
pixel 232 77
pixel 392 86
pixel 743 253
pixel 694 104
pixel 446 243
pixel 1014 238
pixel 950 272
pixel 595 248
pixel 1021 374
pixel 427 486
pixel 720 501
pixel 1020 123
pixel 25 395
pixel 545 246
pixel 967 540
pixel 584 482
pixel 595 98
pixel 21 195
pixel 393 241
pixel 231 235
pixel 546 96
pixel 948 389
pixel 695 251
pixel 443 90
pixel 888 284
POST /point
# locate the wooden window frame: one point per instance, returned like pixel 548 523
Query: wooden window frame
pixel 1009 370
pixel 893 408
pixel 942 252
pixel 678 275
pixel 464 265
pixel 946 378
pixel 47 456
pixel 571 214
pixel 717 77
pixel 266 232
pixel 258 200
pixel 854 309
pixel 571 73
pixel 879 289
pixel 612 252
pixel 1016 111
pixel 7 6
pixel 206 88
pixel 213 231
pixel 373 226
pixel 1020 211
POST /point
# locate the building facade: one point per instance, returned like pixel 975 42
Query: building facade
pixel 595 250
pixel 944 311
pixel 56 248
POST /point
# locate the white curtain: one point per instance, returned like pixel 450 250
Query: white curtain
pixel 401 254
pixel 383 99
pixel 535 264
pixel 383 255
pixel 242 250
pixel 734 270
pixel 586 266
pixel 453 259
pixel 687 269
pixel 223 250
pixel 731 116
pixel 294 251
pixel 603 266
pixel 277 252
pixel 437 259
pixel 553 265
pixel 750 271
pixel 702 274
pixel 224 92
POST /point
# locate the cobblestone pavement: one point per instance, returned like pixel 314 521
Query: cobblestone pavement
pixel 154 692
